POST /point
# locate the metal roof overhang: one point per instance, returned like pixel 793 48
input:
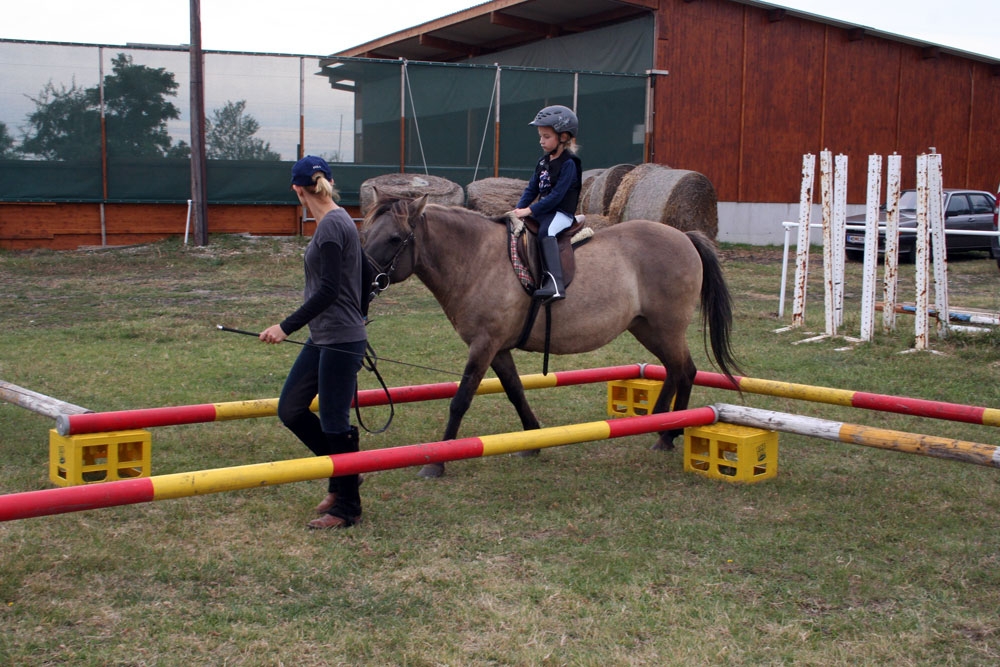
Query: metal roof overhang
pixel 496 26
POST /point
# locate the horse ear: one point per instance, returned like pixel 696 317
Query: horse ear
pixel 418 205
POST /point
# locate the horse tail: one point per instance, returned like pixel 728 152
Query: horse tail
pixel 716 307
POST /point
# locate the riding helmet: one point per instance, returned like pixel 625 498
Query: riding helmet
pixel 559 118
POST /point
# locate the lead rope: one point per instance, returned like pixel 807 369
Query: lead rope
pixel 370 364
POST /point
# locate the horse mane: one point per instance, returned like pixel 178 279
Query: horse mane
pixel 397 206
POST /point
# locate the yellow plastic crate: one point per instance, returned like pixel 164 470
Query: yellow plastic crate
pixel 98 457
pixel 731 452
pixel 632 398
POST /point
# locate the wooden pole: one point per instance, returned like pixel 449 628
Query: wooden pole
pixel 40 403
pixel 199 186
pixel 900 441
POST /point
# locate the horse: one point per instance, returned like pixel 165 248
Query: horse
pixel 641 276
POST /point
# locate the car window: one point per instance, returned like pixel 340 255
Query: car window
pixel 980 203
pixel 958 205
pixel 908 200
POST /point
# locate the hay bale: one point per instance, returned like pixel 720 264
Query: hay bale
pixel 599 190
pixel 495 196
pixel 676 197
pixel 596 221
pixel 440 190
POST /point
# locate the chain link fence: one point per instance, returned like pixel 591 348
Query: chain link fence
pixel 90 123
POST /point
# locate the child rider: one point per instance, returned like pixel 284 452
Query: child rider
pixel 556 184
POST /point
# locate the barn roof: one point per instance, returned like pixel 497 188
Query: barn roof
pixel 498 26
pixel 503 24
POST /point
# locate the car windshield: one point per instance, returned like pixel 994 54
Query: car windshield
pixel 908 200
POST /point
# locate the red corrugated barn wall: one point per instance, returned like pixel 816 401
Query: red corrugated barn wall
pixel 750 90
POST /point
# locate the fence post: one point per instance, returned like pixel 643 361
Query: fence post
pixel 829 270
pixel 939 246
pixel 920 315
pixel 802 254
pixel 892 190
pixel 839 233
pixel 871 247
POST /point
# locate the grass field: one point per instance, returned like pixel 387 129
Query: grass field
pixel 603 553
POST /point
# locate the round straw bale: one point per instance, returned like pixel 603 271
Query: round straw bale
pixel 596 221
pixel 441 190
pixel 598 191
pixel 495 196
pixel 676 197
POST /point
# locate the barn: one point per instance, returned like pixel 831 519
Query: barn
pixel 740 90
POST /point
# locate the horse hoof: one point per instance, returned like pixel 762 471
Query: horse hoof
pixel 528 453
pixel 431 471
pixel 663 444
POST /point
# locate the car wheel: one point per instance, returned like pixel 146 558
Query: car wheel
pixel 855 255
pixel 908 255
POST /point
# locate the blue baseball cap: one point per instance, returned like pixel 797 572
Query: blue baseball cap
pixel 303 170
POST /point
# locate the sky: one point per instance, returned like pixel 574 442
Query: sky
pixel 267 26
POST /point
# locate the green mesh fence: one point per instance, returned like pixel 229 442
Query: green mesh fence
pixel 103 123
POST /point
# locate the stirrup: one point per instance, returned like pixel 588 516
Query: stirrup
pixel 549 291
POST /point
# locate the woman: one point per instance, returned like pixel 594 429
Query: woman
pixel 331 357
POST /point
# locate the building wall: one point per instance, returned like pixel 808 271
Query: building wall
pixel 69 226
pixel 746 96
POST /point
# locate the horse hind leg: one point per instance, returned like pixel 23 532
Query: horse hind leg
pixel 680 393
pixel 681 371
pixel 503 366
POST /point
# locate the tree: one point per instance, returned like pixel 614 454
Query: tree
pixel 7 151
pixel 65 124
pixel 229 135
pixel 137 108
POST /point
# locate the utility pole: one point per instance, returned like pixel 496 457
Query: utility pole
pixel 199 188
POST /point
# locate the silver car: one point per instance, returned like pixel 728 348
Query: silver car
pixel 969 210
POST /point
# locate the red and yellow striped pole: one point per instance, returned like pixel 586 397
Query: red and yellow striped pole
pixel 917 407
pixel 125 492
pixel 123 420
pixel 102 422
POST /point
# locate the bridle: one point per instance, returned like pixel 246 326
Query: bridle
pixel 382 279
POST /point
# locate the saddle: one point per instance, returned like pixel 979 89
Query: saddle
pixel 522 236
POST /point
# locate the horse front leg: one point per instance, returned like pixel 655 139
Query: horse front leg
pixel 503 365
pixel 475 369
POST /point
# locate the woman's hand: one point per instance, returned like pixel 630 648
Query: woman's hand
pixel 522 212
pixel 273 334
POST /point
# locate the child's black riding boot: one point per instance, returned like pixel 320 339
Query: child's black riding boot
pixel 552 288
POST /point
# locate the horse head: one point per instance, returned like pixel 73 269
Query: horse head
pixel 388 235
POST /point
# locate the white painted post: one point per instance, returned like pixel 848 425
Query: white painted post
pixel 784 274
pixel 871 247
pixel 938 242
pixel 829 274
pixel 920 314
pixel 891 276
pixel 839 231
pixel 802 254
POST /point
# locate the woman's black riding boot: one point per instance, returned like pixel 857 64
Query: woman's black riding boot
pixel 348 503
